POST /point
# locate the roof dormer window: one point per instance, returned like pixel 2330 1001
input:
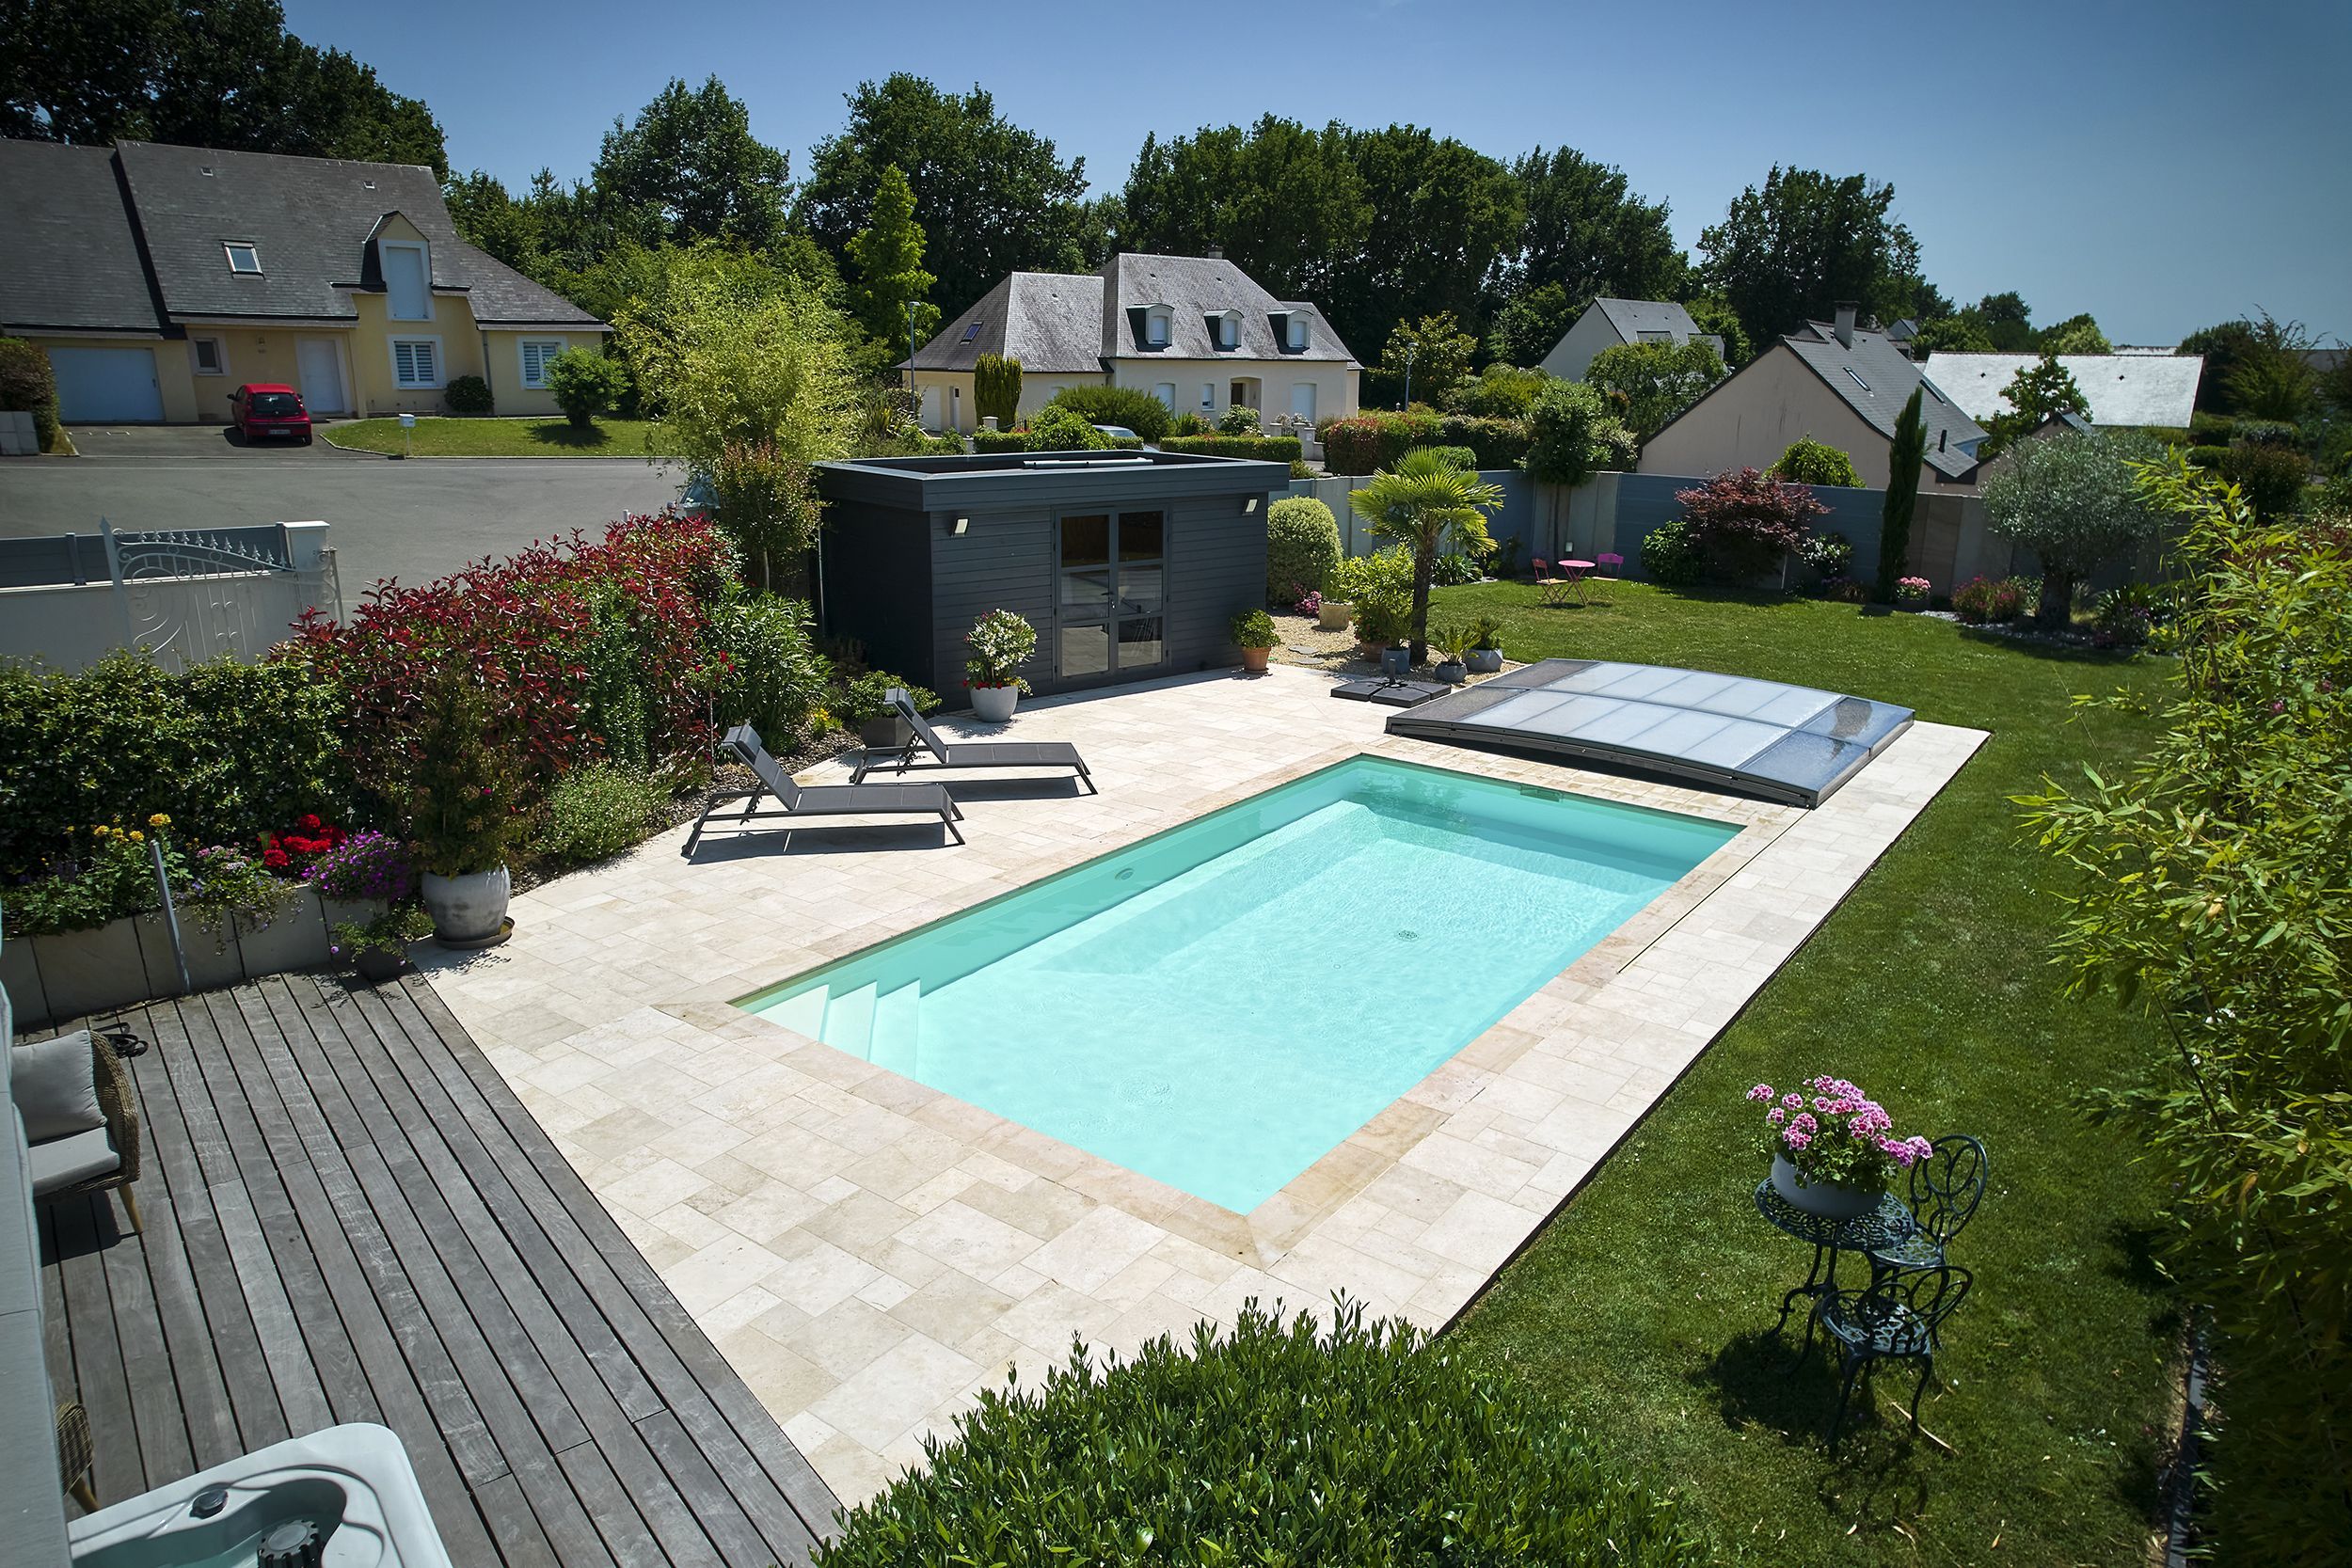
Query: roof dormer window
pixel 1295 331
pixel 245 258
pixel 1159 324
pixel 1224 329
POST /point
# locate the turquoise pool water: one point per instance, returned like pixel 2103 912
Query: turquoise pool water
pixel 1221 1006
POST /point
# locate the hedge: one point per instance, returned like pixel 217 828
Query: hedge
pixel 1302 545
pixel 29 386
pixel 226 750
pixel 1130 407
pixel 1270 449
pixel 1375 440
pixel 1275 1444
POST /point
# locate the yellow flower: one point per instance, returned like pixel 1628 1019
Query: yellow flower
pixel 99 832
pixel 138 837
pixel 159 820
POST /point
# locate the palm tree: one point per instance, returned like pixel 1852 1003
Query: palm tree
pixel 1427 503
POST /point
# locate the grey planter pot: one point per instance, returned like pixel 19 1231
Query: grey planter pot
pixel 1485 661
pixel 296 937
pixel 470 907
pixel 993 705
pixel 1452 673
pixel 89 971
pixel 889 733
pixel 1832 1200
pixel 1396 661
pixel 21 976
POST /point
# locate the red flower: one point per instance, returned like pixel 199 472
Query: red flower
pixel 312 822
pixel 274 858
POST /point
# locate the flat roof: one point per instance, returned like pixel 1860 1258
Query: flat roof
pixel 1788 743
pixel 936 484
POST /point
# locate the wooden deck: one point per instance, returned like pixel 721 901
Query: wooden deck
pixel 350 1218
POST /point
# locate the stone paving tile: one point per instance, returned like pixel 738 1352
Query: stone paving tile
pixel 871 1252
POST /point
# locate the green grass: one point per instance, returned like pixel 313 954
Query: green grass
pixel 492 437
pixel 1640 1312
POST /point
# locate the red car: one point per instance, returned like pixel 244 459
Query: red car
pixel 265 409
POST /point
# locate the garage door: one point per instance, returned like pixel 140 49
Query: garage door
pixel 99 385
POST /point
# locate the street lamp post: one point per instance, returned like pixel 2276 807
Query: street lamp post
pixel 1408 375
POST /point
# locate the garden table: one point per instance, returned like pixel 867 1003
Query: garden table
pixel 1887 1226
pixel 1569 587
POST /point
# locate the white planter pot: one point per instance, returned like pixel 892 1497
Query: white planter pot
pixel 467 909
pixel 1333 617
pixel 1832 1200
pixel 993 705
pixel 1485 661
pixel 296 937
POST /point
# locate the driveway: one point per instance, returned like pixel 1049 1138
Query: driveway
pixel 415 519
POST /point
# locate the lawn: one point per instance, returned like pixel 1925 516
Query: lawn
pixel 1641 1311
pixel 490 437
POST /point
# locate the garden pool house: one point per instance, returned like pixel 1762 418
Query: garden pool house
pixel 1130 564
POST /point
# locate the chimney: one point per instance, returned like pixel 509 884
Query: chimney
pixel 1846 309
pixel 1216 253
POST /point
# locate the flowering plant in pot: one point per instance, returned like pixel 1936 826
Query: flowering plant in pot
pixel 1253 633
pixel 1912 593
pixel 1001 642
pixel 1833 1148
pixel 461 803
pixel 378 948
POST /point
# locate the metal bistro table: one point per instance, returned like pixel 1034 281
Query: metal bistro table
pixel 1886 1226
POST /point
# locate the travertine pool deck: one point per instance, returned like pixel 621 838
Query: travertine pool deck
pixel 869 1252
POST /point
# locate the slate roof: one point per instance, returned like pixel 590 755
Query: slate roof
pixel 1875 377
pixel 1075 324
pixel 309 219
pixel 1049 321
pixel 67 256
pixel 2121 388
pixel 1633 317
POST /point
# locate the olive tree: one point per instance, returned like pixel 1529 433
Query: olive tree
pixel 2072 498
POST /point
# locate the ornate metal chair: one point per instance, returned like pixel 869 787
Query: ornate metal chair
pixel 1945 1188
pixel 1898 1318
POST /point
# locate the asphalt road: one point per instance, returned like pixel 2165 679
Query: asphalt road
pixel 415 519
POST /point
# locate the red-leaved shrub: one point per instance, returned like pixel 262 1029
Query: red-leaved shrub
pixel 1744 523
pixel 582 650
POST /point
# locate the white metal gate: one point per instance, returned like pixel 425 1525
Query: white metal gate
pixel 192 596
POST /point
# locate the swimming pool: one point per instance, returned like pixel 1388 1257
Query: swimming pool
pixel 1221 1006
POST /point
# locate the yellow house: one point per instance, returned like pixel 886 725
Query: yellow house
pixel 161 278
pixel 1196 332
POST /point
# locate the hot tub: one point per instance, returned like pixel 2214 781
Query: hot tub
pixel 350 1486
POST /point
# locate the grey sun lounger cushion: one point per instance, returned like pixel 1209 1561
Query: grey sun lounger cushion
pixel 970 753
pixel 849 799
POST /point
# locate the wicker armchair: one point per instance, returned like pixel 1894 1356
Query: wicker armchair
pixel 123 1130
pixel 76 1455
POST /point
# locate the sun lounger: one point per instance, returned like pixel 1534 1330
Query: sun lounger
pixel 801 801
pixel 967 753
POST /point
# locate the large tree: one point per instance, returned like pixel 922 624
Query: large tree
pixel 1791 250
pixel 2073 498
pixel 1648 384
pixel 224 74
pixel 1440 215
pixel 890 296
pixel 689 168
pixel 2038 393
pixel 1586 235
pixel 992 197
pixel 1283 202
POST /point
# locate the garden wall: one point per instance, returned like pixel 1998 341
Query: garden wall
pixel 66 974
pixel 1519 517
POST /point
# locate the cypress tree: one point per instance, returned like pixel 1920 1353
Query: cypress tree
pixel 887 256
pixel 1903 457
pixel 996 388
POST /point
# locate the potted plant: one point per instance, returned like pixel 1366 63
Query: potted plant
pixel 1253 633
pixel 378 948
pixel 1486 649
pixel 461 806
pixel 866 701
pixel 1001 642
pixel 1912 593
pixel 361 875
pixel 1453 641
pixel 1832 1147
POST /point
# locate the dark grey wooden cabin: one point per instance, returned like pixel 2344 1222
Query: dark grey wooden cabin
pixel 1130 564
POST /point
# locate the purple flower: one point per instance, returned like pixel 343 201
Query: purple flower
pixel 1794 1102
pixel 1795 1139
pixel 1774 1117
pixel 1761 1092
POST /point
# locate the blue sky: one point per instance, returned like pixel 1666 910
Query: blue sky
pixel 2160 165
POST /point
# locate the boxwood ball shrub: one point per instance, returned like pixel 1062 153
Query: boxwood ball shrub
pixel 1811 462
pixel 593 812
pixel 1280 1443
pixel 469 394
pixel 1670 555
pixel 1302 545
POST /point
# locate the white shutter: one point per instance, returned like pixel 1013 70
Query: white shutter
pixel 413 362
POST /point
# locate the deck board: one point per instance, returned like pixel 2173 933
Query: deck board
pixel 351 1217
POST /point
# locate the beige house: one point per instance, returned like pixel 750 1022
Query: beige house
pixel 1613 322
pixel 1835 382
pixel 1195 331
pixel 161 278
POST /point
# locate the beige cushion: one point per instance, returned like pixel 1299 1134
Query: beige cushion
pixel 56 1088
pixel 61 1162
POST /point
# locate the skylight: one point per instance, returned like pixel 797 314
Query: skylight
pixel 1857 380
pixel 971 332
pixel 243 257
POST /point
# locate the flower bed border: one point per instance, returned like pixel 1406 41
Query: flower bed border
pixel 65 974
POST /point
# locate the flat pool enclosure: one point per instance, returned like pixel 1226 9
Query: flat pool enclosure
pixel 1787 743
